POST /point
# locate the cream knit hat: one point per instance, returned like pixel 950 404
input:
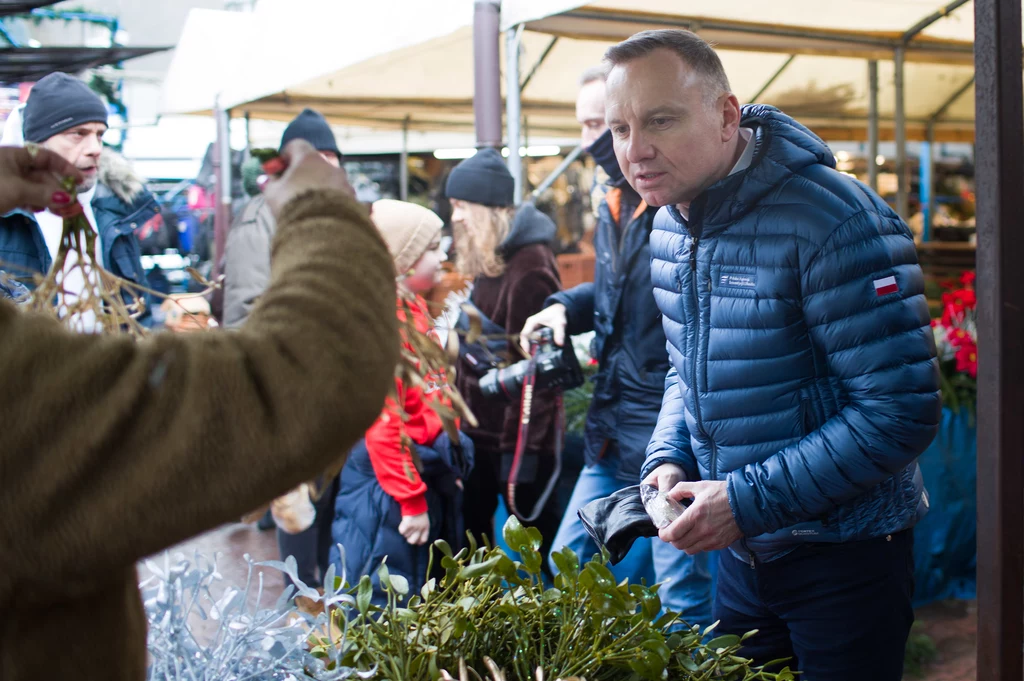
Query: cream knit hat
pixel 407 229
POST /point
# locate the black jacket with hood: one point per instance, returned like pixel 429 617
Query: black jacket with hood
pixel 629 341
pixel 531 275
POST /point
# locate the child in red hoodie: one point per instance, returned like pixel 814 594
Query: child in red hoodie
pixel 385 506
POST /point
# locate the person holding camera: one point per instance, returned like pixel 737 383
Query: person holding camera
pixel 508 253
pixel 629 345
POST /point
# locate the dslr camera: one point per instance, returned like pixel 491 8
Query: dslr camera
pixel 556 368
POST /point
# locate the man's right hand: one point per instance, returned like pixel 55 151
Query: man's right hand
pixel 552 317
pixel 305 170
pixel 665 477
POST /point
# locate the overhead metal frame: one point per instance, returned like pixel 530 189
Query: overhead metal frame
pixel 899 57
pixel 774 77
pixel 25 64
pixel 742 35
pixel 908 45
pixel 12 7
pixel 540 61
pixel 929 213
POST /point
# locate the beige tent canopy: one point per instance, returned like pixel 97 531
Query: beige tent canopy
pixel 806 56
pixel 394 64
pixel 849 70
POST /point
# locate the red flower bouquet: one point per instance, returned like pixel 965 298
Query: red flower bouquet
pixel 956 340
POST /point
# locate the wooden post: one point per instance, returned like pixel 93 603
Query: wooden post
pixel 1000 254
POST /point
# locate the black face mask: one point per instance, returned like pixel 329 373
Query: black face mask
pixel 603 153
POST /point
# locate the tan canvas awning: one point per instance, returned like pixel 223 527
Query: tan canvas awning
pixel 393 63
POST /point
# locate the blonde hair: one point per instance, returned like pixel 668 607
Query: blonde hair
pixel 476 243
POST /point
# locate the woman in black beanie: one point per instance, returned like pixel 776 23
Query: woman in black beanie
pixel 508 253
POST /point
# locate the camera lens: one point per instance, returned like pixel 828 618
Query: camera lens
pixel 504 383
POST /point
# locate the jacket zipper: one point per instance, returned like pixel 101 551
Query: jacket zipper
pixel 696 337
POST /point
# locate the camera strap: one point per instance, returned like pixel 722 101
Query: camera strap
pixel 525 408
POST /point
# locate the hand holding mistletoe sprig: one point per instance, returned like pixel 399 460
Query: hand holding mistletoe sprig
pixel 114 303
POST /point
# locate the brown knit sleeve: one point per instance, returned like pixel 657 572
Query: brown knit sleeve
pixel 112 450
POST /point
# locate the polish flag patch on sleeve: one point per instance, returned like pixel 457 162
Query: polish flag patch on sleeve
pixel 885 286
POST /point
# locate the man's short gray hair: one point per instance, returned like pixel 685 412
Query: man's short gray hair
pixel 594 74
pixel 695 52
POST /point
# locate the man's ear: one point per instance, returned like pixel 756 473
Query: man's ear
pixel 730 116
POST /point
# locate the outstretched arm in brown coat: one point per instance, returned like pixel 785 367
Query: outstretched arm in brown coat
pixel 111 450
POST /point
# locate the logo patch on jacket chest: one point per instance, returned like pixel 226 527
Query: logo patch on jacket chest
pixel 738 279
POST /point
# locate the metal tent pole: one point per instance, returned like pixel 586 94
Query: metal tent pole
pixel 222 184
pixel 1000 182
pixel 873 124
pixel 557 172
pixel 928 199
pixel 403 163
pixel 487 73
pixel 902 203
pixel 774 77
pixel 513 113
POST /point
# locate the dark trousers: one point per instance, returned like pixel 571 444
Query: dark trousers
pixel 840 611
pixel 488 480
pixel 312 547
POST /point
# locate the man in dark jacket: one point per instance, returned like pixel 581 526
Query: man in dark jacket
pixel 629 345
pixel 803 384
pixel 246 277
pixel 63 115
pixel 247 251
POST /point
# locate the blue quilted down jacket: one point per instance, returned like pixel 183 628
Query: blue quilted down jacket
pixel 804 369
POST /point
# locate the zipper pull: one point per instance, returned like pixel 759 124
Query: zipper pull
pixel 693 254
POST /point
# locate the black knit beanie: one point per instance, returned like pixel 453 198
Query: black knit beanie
pixel 482 178
pixel 57 103
pixel 313 127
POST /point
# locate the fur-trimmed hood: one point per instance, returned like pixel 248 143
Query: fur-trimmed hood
pixel 117 173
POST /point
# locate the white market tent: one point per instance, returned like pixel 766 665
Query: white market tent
pixel 396 63
pixel 391 64
pixel 371 74
pixel 405 65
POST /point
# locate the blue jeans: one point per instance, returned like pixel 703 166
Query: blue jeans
pixel 840 612
pixel 687 588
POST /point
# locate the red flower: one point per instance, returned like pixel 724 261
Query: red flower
pixel 959 338
pixel 967 297
pixel 967 360
pixel 967 278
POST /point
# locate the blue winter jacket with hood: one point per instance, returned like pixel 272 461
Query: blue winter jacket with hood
pixel 121 204
pixel 804 371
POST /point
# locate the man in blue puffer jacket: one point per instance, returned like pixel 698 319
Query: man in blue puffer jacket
pixel 804 382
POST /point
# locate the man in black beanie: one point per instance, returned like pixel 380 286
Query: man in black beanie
pixel 247 274
pixel 247 251
pixel 63 115
pixel 311 126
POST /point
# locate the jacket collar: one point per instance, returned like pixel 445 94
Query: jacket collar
pixel 782 148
